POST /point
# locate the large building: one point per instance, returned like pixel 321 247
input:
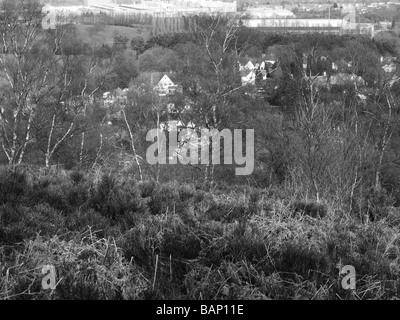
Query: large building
pixel 309 25
pixel 166 7
pixel 185 6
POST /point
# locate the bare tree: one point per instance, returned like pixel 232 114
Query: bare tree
pixel 27 61
pixel 75 94
pixel 216 36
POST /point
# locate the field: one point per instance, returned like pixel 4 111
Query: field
pixel 110 237
pixel 105 34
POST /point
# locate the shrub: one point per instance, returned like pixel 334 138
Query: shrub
pixel 228 281
pixel 255 201
pixel 89 269
pixel 77 177
pixel 77 195
pixel 298 259
pixel 141 242
pixel 44 219
pixel 164 199
pixel 13 227
pixel 376 203
pixel 312 209
pixel 13 186
pixel 54 192
pixel 117 201
pixel 227 212
pixel 147 188
pixel 80 220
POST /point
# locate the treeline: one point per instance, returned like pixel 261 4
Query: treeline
pixel 90 18
pixel 248 38
pixel 164 24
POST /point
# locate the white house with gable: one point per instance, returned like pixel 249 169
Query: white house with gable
pixel 165 86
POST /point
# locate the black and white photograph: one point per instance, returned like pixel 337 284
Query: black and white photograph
pixel 207 156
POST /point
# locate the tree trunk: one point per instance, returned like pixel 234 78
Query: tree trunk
pixel 82 147
pixel 48 154
pixel 133 145
pixel 27 137
pixel 13 151
pixel 98 151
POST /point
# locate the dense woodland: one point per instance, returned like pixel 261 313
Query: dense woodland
pixel 76 191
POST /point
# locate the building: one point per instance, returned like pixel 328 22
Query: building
pixel 161 82
pixel 253 72
pixel 337 26
pixel 165 86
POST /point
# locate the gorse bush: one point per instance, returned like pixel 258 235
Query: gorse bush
pixel 117 200
pixel 45 220
pixel 77 177
pixel 312 209
pixel 147 188
pixel 13 228
pixel 376 203
pixel 92 268
pixel 164 199
pixel 80 220
pixel 13 186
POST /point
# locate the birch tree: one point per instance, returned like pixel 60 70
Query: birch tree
pixel 65 115
pixel 26 72
pixel 213 93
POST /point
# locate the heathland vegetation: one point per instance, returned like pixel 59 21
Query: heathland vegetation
pixel 77 193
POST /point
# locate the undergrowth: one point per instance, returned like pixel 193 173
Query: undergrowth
pixel 113 238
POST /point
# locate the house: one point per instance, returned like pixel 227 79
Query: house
pixel 248 66
pixel 165 86
pixel 252 73
pixel 390 67
pixel 394 80
pixel 163 83
pixel 248 77
pixel 172 125
pixel 327 82
pixel 388 64
pixel 176 125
